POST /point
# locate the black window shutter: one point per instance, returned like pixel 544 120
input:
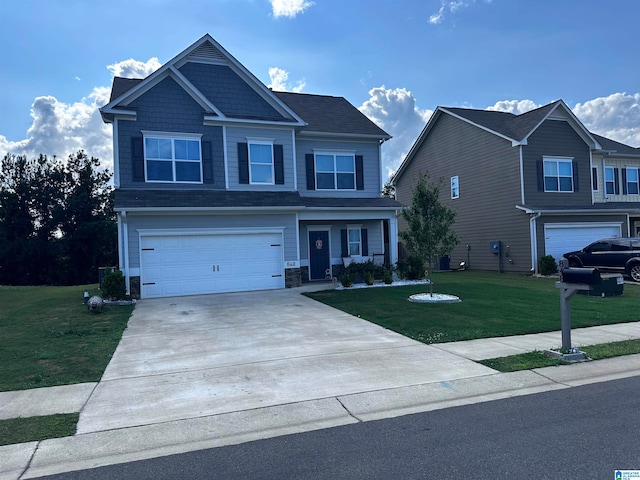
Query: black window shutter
pixel 576 182
pixel 359 172
pixel 594 178
pixel 540 172
pixel 343 243
pixel 365 242
pixel 278 164
pixel 624 181
pixel 207 162
pixel 243 163
pixel 137 156
pixel 311 171
pixel 616 181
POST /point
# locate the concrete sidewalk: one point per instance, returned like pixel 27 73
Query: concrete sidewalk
pixel 412 378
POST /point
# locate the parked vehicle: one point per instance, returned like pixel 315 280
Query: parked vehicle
pixel 617 255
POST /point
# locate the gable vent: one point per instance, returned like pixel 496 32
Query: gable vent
pixel 206 51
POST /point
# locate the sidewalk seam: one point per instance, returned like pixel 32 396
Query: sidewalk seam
pixel 551 379
pixel 348 411
pixel 28 466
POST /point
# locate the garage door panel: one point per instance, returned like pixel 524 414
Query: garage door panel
pixel 560 239
pixel 196 264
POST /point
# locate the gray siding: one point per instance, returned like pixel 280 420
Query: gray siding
pixel 371 157
pixel 282 137
pixel 556 138
pixel 228 92
pixel 374 236
pixel 488 169
pixel 167 108
pixel 166 222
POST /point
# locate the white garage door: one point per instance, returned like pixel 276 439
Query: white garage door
pixel 172 265
pixel 562 238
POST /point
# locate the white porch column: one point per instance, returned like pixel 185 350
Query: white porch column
pixel 393 240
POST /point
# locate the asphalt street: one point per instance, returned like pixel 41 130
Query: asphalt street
pixel 585 432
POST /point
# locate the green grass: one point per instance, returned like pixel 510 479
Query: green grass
pixel 21 430
pixel 50 338
pixel 537 359
pixel 493 305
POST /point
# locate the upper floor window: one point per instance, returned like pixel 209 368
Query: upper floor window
pixel 455 187
pixel 172 159
pixel 335 171
pixel 558 175
pixel 632 180
pixel 611 185
pixel 261 162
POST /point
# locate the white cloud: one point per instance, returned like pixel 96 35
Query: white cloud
pixel 514 106
pixel 396 112
pixel 279 78
pixel 616 117
pixel 450 7
pixel 62 129
pixel 134 68
pixel 289 8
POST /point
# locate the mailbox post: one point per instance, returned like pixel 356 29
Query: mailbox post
pixel 571 281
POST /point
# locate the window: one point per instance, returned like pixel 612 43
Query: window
pixel 261 162
pixel 335 171
pixel 455 189
pixel 632 181
pixel 354 241
pixel 594 179
pixel 172 159
pixel 558 175
pixel 609 181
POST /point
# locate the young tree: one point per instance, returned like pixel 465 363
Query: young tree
pixel 429 236
pixel 389 190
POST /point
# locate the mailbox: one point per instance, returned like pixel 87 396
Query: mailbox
pixel 494 247
pixel 584 276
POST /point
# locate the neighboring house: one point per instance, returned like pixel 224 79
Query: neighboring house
pixel 538 183
pixel 224 185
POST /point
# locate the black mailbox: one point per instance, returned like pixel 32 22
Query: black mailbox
pixel 585 276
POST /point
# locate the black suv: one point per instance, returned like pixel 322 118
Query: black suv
pixel 618 255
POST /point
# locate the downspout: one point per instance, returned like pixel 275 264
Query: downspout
pixel 120 243
pixel 534 241
pixel 125 247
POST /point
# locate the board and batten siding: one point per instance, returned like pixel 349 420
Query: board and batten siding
pixel 371 166
pixel 556 138
pixel 167 108
pixel 184 222
pixel 282 137
pixel 618 162
pixel 488 170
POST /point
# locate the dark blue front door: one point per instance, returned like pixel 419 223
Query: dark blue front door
pixel 319 260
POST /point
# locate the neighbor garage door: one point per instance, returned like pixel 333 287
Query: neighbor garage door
pixel 172 265
pixel 562 238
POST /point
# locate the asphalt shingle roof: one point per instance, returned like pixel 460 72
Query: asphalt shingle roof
pixel 612 145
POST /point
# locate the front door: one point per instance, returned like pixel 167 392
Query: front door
pixel 319 258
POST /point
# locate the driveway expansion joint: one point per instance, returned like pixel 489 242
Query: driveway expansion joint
pixel 348 411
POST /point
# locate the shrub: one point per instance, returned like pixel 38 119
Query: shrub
pixel 388 277
pixel 113 286
pixel 346 279
pixel 411 268
pixel 547 265
pixel 368 278
pixel 362 269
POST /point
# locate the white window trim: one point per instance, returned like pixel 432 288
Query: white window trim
pixel 171 136
pixel 558 160
pixel 604 177
pixel 357 227
pixel 261 141
pixel 637 169
pixel 334 154
pixel 457 187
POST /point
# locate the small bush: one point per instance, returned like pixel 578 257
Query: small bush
pixel 411 268
pixel 113 285
pixel 362 269
pixel 347 279
pixel 388 277
pixel 547 265
pixel 368 278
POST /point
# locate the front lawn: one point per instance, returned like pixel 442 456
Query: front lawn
pixel 493 305
pixel 50 338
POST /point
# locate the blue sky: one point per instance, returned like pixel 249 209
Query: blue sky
pixel 395 60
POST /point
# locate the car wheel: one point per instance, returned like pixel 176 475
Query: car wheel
pixel 634 272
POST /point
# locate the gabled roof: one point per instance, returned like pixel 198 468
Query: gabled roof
pixel 205 50
pixel 616 148
pixel 514 128
pixel 327 114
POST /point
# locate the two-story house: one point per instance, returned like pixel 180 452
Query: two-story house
pixel 222 184
pixel 524 186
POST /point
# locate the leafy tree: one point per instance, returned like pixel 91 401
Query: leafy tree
pixel 429 235
pixel 389 190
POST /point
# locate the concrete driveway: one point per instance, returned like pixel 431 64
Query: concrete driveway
pixel 189 357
